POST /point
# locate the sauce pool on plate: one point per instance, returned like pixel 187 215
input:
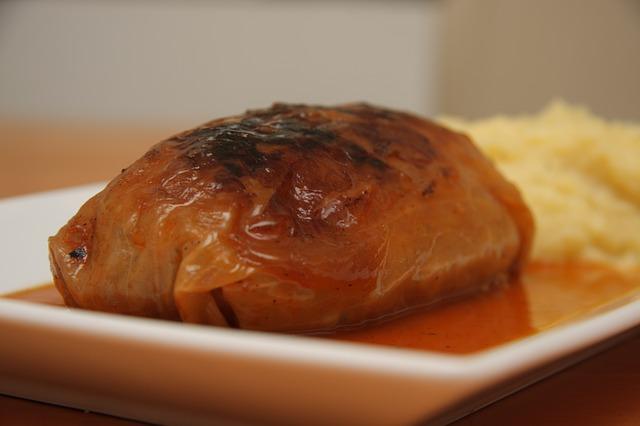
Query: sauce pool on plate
pixel 547 295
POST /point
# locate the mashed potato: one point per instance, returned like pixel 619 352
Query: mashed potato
pixel 579 174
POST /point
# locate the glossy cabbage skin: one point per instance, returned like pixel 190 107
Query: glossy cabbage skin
pixel 295 218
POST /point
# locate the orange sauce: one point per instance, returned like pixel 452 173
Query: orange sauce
pixel 547 295
pixel 461 326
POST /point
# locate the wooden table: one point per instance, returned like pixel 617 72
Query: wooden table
pixel 604 390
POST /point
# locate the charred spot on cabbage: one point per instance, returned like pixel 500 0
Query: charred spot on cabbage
pixel 242 147
pixel 79 253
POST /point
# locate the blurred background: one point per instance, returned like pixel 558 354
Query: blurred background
pixel 85 86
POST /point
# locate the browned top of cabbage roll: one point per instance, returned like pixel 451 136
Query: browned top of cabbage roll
pixel 295 218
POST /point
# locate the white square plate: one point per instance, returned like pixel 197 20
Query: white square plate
pixel 171 373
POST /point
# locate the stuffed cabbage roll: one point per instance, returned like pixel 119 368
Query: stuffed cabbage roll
pixel 295 218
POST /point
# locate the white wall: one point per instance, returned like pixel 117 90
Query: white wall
pixel 188 61
pixel 513 56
